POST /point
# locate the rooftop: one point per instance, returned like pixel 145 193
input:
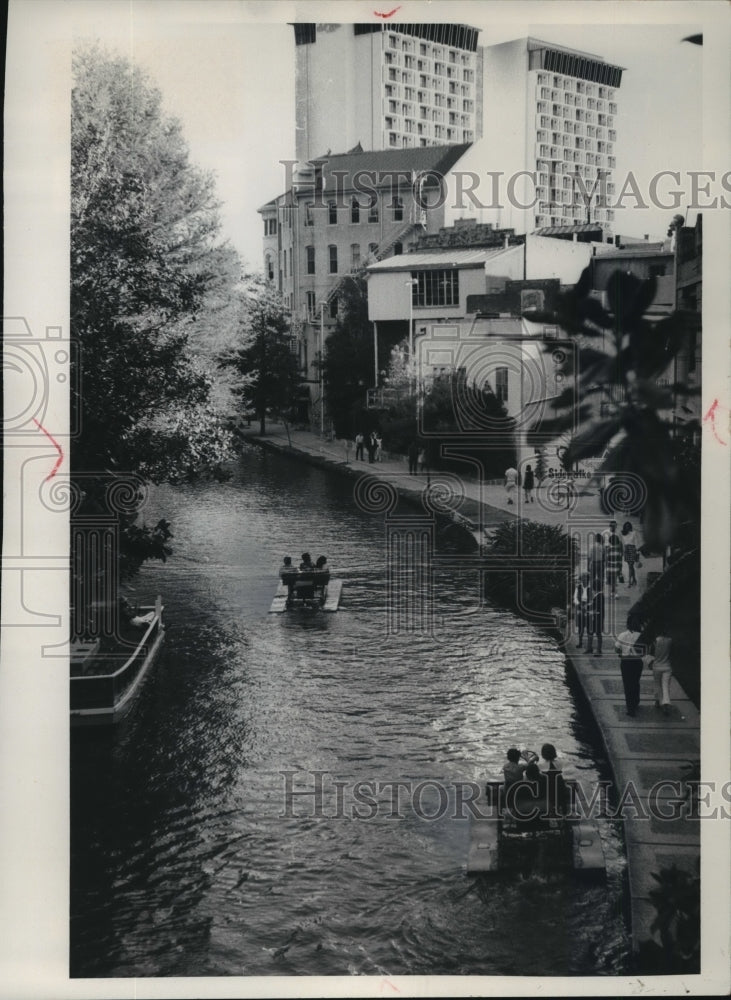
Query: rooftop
pixel 476 257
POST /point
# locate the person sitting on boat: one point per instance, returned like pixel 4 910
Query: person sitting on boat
pixel 527 800
pixel 322 573
pixel 513 769
pixel 307 566
pixel 287 573
pixel 130 617
pixel 558 793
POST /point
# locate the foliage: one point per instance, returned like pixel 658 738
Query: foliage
pixel 268 371
pixel 677 902
pixel 540 585
pixel 672 606
pixel 452 412
pixel 145 264
pixel 348 362
pixel 620 402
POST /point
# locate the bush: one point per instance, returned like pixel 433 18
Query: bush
pixel 536 586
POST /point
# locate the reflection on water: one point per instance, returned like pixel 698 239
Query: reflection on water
pixel 188 858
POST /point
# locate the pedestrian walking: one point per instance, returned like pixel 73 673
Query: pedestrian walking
pixel 629 541
pixel 583 605
pixel 595 561
pixel 511 482
pixel 595 620
pixel 614 554
pixel 630 663
pixel 359 442
pixel 662 669
pixel 379 447
pixel 529 483
pixel 371 446
pixel 413 455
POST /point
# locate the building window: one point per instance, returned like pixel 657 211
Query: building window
pixel 270 227
pixel 332 213
pixel 311 305
pixel 333 254
pixel 355 210
pixel 355 257
pixel 334 307
pixel 398 210
pixel 310 260
pixel 269 267
pixel 373 249
pixel 373 210
pixel 398 249
pixel 501 384
pixel 308 213
pixel 436 288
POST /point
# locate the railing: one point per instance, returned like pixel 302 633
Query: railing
pixel 105 690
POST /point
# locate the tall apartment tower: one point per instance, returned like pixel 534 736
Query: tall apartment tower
pixel 551 111
pixel 380 86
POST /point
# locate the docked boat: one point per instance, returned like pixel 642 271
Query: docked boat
pixel 106 674
pixel 307 592
pixel 532 837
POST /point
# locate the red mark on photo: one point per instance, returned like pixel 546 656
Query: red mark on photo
pixel 386 982
pixel 711 415
pixel 56 445
pixel 377 13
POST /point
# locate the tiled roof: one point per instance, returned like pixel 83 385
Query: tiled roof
pixel 439 159
pixel 440 258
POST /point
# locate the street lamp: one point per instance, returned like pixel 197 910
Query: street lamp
pixel 323 303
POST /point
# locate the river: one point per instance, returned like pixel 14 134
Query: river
pixel 187 856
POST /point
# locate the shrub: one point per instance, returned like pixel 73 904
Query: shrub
pixel 538 584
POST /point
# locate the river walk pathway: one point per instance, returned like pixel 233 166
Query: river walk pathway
pixel 649 752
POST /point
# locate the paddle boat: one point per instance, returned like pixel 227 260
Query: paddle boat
pixel 107 673
pixel 519 833
pixel 307 591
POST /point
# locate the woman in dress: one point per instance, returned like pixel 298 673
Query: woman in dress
pixel 528 483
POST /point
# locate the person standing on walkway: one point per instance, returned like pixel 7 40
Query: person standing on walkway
pixel 422 459
pixel 529 483
pixel 359 447
pixel 371 446
pixel 595 561
pixel 379 447
pixel 583 605
pixel 629 541
pixel 511 482
pixel 413 454
pixel 630 664
pixel 596 619
pixel 614 553
pixel 662 670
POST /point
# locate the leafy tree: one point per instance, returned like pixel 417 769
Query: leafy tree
pixel 621 405
pixel 146 264
pixel 267 368
pixel 348 361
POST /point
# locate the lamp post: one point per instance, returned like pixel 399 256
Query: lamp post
pixel 323 303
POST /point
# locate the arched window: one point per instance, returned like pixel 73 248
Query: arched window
pixel 269 267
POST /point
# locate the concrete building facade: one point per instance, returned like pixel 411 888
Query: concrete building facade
pixel 386 86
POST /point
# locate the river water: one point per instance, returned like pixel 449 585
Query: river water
pixel 187 855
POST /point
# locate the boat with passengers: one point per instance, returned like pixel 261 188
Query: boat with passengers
pixel 107 672
pixel 533 825
pixel 308 589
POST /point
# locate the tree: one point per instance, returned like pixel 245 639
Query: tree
pixel 348 361
pixel 146 264
pixel 623 406
pixel 267 368
pixel 537 588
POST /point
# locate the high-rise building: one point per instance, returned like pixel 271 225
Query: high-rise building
pixel 386 86
pixel 550 112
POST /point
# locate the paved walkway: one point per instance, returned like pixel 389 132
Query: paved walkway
pixel 645 750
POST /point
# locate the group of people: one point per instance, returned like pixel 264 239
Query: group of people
pixel 512 481
pixel 373 444
pixel 525 783
pixel 417 458
pixel 315 574
pixel 635 654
